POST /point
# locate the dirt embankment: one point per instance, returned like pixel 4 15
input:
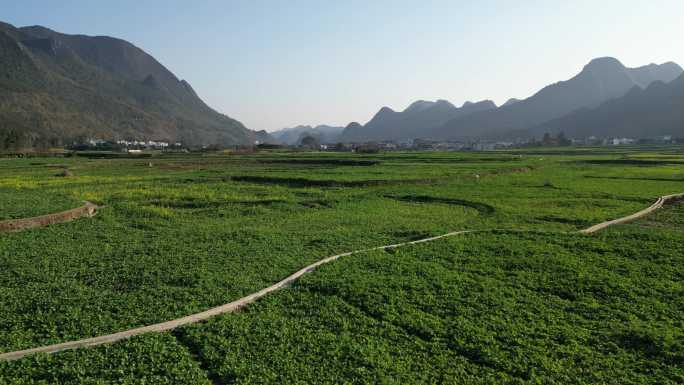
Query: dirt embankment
pixel 87 210
pixel 237 304
pixel 667 199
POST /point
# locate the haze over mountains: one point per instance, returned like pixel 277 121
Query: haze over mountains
pixel 294 135
pixel 55 86
pixel 599 81
pixel 413 122
pixel 657 110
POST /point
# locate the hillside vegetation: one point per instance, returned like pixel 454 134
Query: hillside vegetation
pixel 605 99
pixel 56 87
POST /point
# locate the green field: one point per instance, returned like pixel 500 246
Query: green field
pixel 525 302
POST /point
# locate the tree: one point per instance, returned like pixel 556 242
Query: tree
pixel 340 147
pixel 562 140
pixel 12 140
pixel 310 142
pixel 368 148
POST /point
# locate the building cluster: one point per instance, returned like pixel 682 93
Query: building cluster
pixel 413 145
pixel 622 141
pixel 85 144
pixel 481 145
pixel 147 144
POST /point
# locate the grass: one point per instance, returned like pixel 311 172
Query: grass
pixel 502 307
pixel 24 203
pixel 180 234
pixel 153 359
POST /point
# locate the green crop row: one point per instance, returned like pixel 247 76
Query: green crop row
pixel 153 359
pixel 504 308
pixel 183 233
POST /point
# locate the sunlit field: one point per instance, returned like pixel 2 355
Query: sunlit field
pixel 526 300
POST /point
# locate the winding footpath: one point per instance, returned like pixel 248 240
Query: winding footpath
pixel 12 225
pixel 237 304
pixel 655 206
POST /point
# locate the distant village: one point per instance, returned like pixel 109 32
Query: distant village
pixel 129 146
pixel 311 143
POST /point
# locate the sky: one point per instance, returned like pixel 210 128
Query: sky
pixel 274 64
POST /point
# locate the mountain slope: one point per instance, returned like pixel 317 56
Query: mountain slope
pixel 294 135
pixel 510 101
pixel 642 113
pixel 55 86
pixel 414 122
pixel 600 80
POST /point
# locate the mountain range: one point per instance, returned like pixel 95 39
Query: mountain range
pixel 294 135
pixel 55 87
pixel 600 81
pixel 657 110
pixel 413 122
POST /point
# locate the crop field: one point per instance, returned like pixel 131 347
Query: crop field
pixel 526 300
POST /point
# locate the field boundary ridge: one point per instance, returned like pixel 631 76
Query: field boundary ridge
pixel 13 225
pixel 251 298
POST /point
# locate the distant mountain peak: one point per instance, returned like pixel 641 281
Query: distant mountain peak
pixel 510 101
pixel 604 64
pixel 636 90
pixel 36 30
pixel 656 84
pixel 482 104
pixel 679 79
pixel 353 125
pixel 601 80
pixel 605 61
pixel 102 87
pixel 383 112
pixel 292 136
pixel 47 45
pixel 416 121
pixel 641 113
pixel 419 105
pixel 424 105
pixel 189 88
pixel 671 64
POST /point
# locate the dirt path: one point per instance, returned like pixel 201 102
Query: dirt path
pixel 655 206
pixel 237 304
pixel 87 210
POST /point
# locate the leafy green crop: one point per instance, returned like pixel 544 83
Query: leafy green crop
pixel 182 233
pixel 508 307
pixel 153 359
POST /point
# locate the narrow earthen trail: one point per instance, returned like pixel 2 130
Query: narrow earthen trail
pixel 655 206
pixel 12 225
pixel 237 304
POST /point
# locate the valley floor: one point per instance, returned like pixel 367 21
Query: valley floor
pixel 181 234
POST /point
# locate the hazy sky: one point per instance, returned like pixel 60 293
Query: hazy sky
pixel 274 64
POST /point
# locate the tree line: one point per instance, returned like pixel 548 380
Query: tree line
pixel 16 140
